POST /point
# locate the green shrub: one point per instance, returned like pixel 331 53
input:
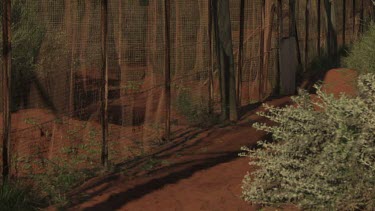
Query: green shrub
pixel 15 197
pixel 196 113
pixel 322 156
pixel 362 54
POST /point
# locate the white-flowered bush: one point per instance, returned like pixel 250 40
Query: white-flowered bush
pixel 322 156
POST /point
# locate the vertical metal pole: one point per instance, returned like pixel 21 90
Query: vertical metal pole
pixel 240 52
pixel 104 88
pixel 6 76
pixel 167 73
pixel 319 33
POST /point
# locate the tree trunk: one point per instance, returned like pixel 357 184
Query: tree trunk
pixel 226 59
pixel 240 52
pixel 332 33
pixel 344 22
pixel 319 20
pixel 71 18
pixel 362 18
pixel 104 88
pixel 354 18
pixel 167 73
pixel 211 63
pixel 279 37
pixel 307 22
pixel 6 76
pixel 293 27
pixel 85 33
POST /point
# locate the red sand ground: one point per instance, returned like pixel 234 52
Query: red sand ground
pixel 198 171
pixel 339 81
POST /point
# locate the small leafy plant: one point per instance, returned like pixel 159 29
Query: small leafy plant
pixel 196 113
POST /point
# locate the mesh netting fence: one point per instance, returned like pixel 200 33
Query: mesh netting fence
pixel 57 64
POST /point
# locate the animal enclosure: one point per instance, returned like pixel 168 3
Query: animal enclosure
pixel 60 49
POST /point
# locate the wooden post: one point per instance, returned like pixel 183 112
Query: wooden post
pixel 219 59
pixel 6 76
pixel 293 30
pixel 240 52
pixel 362 18
pixel 280 17
pixel 308 6
pixel 70 19
pixel 261 49
pixel 344 23
pixel 104 88
pixel 319 20
pixel 354 17
pixel 332 29
pixel 279 37
pixel 211 68
pixel 167 73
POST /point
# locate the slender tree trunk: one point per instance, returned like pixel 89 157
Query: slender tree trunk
pixel 332 33
pixel 269 16
pixel 362 18
pixel 279 37
pixel 307 22
pixel 319 23
pixel 85 33
pixel 240 52
pixel 210 73
pixel 71 20
pixel 167 73
pixel 6 76
pixel 104 88
pixel 261 49
pixel 354 18
pixel 344 22
pixel 226 59
pixel 219 58
pixel 122 71
pixel 293 27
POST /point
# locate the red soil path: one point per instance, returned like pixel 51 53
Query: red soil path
pixel 198 171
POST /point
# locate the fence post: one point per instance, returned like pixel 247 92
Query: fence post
pixel 211 69
pixel 319 20
pixel 167 73
pixel 240 52
pixel 362 18
pixel 279 34
pixel 261 49
pixel 104 88
pixel 293 27
pixel 344 23
pixel 307 20
pixel 354 16
pixel 6 76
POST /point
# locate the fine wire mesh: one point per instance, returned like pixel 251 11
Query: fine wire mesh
pixel 56 107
